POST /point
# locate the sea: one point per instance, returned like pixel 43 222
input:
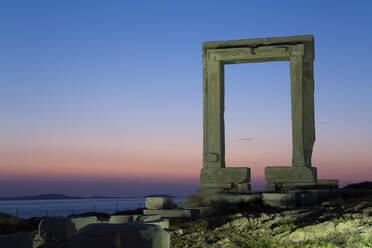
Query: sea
pixel 38 208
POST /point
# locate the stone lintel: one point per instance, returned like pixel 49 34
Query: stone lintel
pixel 225 175
pixel 252 54
pixel 287 174
pixel 307 40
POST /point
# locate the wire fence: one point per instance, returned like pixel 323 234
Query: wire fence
pixel 63 208
pixel 51 210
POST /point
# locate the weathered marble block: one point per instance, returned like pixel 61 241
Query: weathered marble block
pixel 159 203
pixel 149 217
pixel 80 222
pixel 121 235
pixel 121 219
pixel 281 200
pixel 225 175
pixel 286 174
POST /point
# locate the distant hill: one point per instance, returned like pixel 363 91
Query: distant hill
pixel 361 185
pixel 57 197
pixel 67 197
pixel 104 197
pixel 41 197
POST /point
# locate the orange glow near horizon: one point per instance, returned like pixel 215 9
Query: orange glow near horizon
pixel 160 164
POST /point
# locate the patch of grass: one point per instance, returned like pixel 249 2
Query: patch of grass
pixel 364 242
pixel 317 245
pixel 257 241
pixel 337 240
pixel 289 227
pixel 341 219
pixel 190 225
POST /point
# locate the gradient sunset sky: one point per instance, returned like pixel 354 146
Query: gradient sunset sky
pixel 105 97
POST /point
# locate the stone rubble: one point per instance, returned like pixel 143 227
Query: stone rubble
pixel 132 230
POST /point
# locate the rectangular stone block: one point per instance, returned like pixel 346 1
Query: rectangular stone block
pixel 121 219
pixel 210 191
pixel 270 187
pixel 328 183
pixel 308 198
pixel 159 203
pixel 163 223
pixel 281 200
pixel 287 174
pixel 244 187
pixel 81 222
pixel 239 198
pixel 225 175
pixel 291 186
pixel 320 194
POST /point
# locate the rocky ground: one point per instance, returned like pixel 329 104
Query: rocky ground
pixel 343 221
pixel 339 222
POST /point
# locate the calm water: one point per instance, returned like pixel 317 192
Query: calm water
pixel 37 208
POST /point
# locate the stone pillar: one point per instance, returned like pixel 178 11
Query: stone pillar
pixel 302 98
pixel 214 176
pixel 214 127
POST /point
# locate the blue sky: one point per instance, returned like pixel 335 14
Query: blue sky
pixel 121 82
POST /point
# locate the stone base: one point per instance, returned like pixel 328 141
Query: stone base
pixel 199 200
pixel 244 187
pixel 270 187
pixel 239 198
pixel 328 183
pixel 320 184
pixel 280 200
pixel 224 180
pixel 292 198
pixel 225 175
pixel 208 189
pixel 287 174
pixel 283 199
pixel 275 187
